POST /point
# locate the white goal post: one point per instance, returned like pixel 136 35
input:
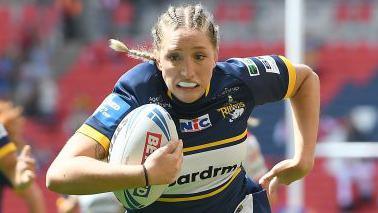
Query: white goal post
pixel 347 150
pixel 294 41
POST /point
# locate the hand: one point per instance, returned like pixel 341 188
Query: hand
pixel 25 169
pixel 164 165
pixel 284 172
pixel 271 188
pixel 67 205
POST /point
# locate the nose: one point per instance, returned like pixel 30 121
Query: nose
pixel 187 70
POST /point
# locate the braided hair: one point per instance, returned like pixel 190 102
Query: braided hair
pixel 190 17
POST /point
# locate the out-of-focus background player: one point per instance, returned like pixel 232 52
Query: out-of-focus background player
pixel 17 170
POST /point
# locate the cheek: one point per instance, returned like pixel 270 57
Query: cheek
pixel 207 75
pixel 169 75
pixel 167 67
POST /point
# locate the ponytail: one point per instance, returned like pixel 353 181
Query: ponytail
pixel 119 46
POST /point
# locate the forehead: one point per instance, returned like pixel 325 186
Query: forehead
pixel 184 38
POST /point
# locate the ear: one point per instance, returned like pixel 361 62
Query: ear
pixel 157 60
pixel 215 58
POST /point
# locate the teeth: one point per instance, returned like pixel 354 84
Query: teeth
pixel 187 84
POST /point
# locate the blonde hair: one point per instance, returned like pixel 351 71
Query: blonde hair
pixel 191 17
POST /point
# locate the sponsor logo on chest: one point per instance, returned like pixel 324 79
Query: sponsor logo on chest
pixel 210 172
pixel 194 125
pixel 232 110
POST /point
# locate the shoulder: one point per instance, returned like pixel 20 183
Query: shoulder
pixel 140 82
pixel 142 76
pixel 139 74
pixel 256 67
pixel 230 66
pixel 252 65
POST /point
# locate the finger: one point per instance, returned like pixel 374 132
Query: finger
pixel 265 179
pixel 26 151
pixel 170 147
pixel 28 161
pixel 178 149
pixel 273 185
pixel 27 177
pixel 271 190
pixel 180 153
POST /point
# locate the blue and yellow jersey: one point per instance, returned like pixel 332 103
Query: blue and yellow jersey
pixel 213 128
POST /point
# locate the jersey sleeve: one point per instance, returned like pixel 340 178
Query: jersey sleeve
pixel 268 78
pixel 102 124
pixel 6 146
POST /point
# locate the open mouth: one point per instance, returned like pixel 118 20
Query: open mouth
pixel 184 84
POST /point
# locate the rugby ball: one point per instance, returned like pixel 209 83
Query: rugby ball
pixel 140 133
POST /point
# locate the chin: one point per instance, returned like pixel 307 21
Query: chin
pixel 188 96
pixel 187 99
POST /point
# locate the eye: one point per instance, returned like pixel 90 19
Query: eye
pixel 199 56
pixel 173 57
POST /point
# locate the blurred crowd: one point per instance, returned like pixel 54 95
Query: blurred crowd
pixel 357 127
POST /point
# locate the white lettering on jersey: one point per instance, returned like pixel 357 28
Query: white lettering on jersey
pixel 206 170
pixel 112 108
pixel 194 125
pixel 269 64
pixel 210 172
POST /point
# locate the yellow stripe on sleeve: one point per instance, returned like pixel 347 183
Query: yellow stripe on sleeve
pixel 292 77
pixel 8 148
pixel 198 197
pixel 96 135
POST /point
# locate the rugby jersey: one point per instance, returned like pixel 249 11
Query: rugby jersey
pixel 212 128
pixel 6 147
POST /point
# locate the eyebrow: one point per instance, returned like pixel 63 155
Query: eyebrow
pixel 195 47
pixel 198 47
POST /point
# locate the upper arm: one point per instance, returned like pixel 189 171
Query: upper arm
pixel 269 78
pixel 82 145
pixel 303 72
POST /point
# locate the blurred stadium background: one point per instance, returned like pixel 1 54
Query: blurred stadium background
pixel 55 62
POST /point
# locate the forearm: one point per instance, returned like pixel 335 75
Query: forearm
pixel 34 199
pixel 306 104
pixel 85 175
